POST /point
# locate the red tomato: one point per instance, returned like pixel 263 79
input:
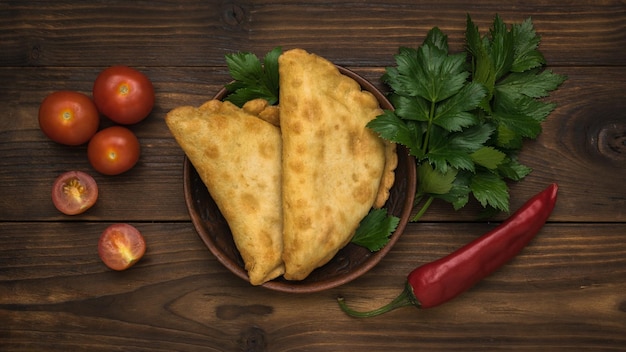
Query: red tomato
pixel 123 94
pixel 121 246
pixel 74 192
pixel 68 117
pixel 113 150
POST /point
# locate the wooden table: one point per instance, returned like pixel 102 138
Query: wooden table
pixel 566 291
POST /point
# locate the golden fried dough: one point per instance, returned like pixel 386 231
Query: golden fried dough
pixel 332 163
pixel 262 109
pixel 238 157
pixel 389 174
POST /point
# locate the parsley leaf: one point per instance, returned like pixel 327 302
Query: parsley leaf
pixel 490 189
pixel 433 181
pixel 464 116
pixel 533 83
pixel 488 157
pixel 455 113
pixel 374 230
pixel 391 127
pixel 512 169
pixel 525 44
pixel 252 79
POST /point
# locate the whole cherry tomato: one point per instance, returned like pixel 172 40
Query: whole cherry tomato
pixel 113 150
pixel 74 192
pixel 123 94
pixel 121 246
pixel 68 117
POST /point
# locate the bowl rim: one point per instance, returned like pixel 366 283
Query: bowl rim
pixel 317 286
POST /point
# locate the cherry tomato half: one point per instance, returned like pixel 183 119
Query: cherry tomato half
pixel 121 246
pixel 74 192
pixel 123 94
pixel 113 150
pixel 68 117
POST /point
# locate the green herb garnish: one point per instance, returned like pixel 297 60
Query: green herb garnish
pixel 464 116
pixel 374 230
pixel 253 79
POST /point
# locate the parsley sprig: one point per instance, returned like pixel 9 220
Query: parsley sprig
pixel 464 116
pixel 251 78
pixel 374 230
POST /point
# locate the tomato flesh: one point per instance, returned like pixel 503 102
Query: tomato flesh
pixel 121 246
pixel 74 192
pixel 68 117
pixel 123 94
pixel 113 150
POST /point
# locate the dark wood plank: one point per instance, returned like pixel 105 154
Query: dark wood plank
pixel 586 132
pixel 164 33
pixel 565 290
pixel 384 26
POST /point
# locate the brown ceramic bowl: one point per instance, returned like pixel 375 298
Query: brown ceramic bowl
pixel 350 262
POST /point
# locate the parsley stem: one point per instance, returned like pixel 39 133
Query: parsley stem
pixel 431 116
pixel 423 209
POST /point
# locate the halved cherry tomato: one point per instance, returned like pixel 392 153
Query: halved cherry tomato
pixel 113 150
pixel 74 192
pixel 123 94
pixel 68 117
pixel 121 246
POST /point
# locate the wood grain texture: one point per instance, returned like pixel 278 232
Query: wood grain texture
pixel 199 33
pixel 564 292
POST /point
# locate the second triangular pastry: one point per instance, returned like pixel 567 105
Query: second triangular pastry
pixel 332 163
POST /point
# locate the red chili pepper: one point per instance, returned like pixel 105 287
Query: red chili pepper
pixel 440 281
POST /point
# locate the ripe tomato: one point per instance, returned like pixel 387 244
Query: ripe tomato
pixel 68 117
pixel 113 150
pixel 121 246
pixel 123 94
pixel 74 192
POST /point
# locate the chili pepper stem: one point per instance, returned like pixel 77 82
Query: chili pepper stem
pixel 406 298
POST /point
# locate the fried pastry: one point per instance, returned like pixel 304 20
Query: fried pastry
pixel 332 163
pixel 238 157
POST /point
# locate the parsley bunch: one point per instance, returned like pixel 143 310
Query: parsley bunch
pixel 464 116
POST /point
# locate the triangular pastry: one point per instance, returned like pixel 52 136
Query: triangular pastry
pixel 238 157
pixel 332 163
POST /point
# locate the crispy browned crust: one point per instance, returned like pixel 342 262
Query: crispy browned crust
pixel 332 163
pixel 238 157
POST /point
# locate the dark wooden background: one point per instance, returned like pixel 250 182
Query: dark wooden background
pixel 567 291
